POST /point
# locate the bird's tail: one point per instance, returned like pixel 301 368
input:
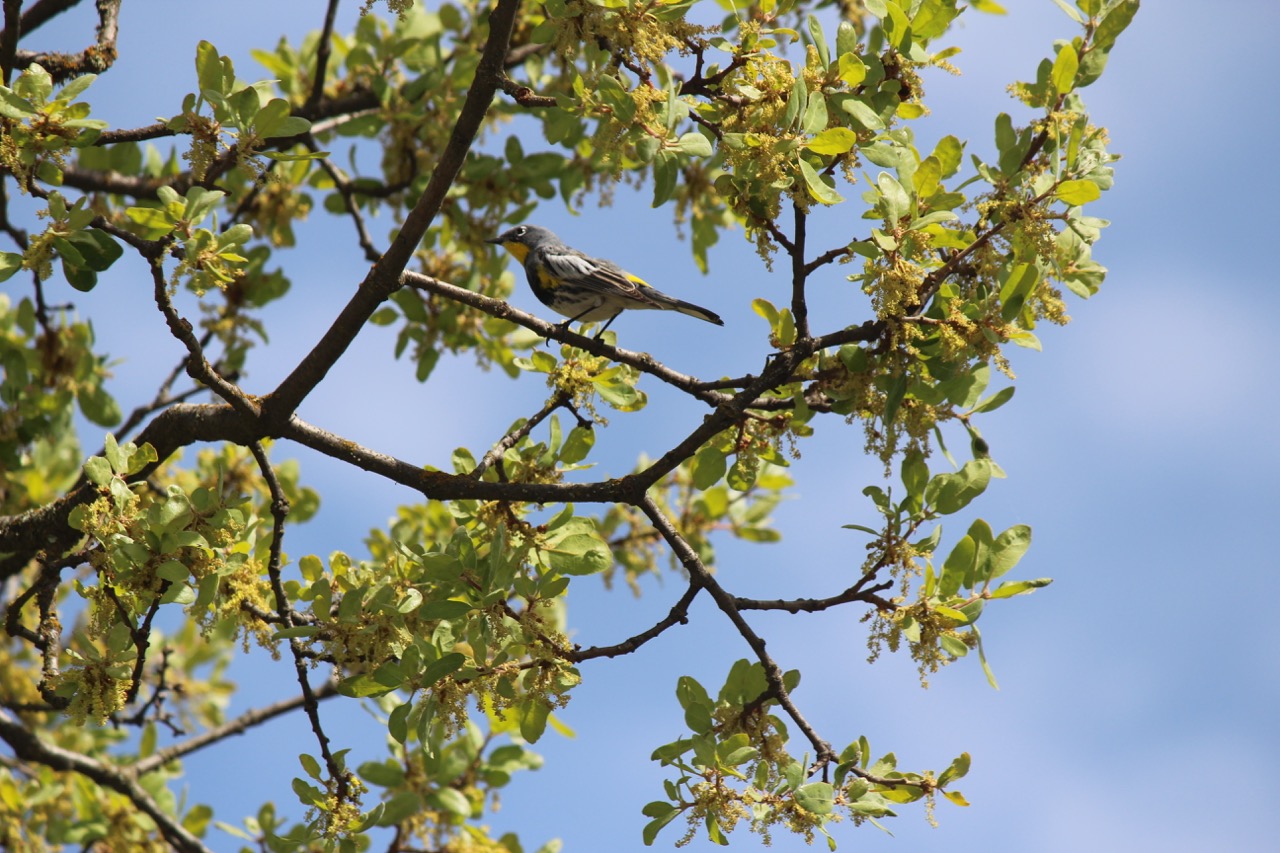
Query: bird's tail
pixel 673 304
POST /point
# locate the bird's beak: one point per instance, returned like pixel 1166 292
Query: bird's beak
pixel 497 241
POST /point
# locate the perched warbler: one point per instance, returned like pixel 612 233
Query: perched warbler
pixel 584 288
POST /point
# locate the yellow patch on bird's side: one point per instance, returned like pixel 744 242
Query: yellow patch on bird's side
pixel 638 280
pixel 517 250
pixel 547 280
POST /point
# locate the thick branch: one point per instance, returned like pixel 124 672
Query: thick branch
pixel 323 49
pixel 384 277
pixel 9 38
pixel 95 58
pixel 27 746
pixel 799 306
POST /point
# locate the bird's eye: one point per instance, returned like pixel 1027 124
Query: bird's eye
pixel 520 231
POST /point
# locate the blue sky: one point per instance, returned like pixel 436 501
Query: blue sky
pixel 1138 693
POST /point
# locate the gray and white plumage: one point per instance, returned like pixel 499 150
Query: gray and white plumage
pixel 581 287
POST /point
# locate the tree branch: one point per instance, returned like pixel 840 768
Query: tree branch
pixel 26 745
pixel 384 277
pixel 96 58
pixel 678 615
pixel 799 307
pixel 512 438
pixel 9 38
pixel 279 513
pixel 323 49
pixel 238 726
pixel 824 754
pixel 814 605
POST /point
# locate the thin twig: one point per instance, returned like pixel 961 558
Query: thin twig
pixel 677 615
pixel 348 194
pixel 513 438
pixel 239 725
pixel 279 513
pixel 198 368
pixel 688 558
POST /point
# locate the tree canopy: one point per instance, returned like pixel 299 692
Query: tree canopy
pixel 137 576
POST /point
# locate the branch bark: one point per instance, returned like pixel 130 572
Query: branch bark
pixel 27 746
pixel 384 277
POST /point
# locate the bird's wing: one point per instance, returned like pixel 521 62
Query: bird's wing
pixel 595 274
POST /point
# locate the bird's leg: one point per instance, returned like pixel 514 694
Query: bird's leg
pixel 606 325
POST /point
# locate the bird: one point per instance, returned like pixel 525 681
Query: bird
pixel 580 287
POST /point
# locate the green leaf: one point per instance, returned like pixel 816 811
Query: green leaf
pixel 957 566
pixel 1116 21
pixel 362 686
pixel 949 493
pixel 1078 192
pixel 98 470
pixel 1070 10
pixel 834 140
pixel 815 114
pixel 579 554
pixel 995 401
pixel 897 203
pixel 986 667
pixel 533 715
pixel 10 263
pixel 15 107
pixel 1008 590
pixel 308 795
pixel 81 279
pixel 208 67
pixel 172 571
pixel 894 395
pixel 958 769
pixel 796 104
pixel 660 819
pixel 818 188
pixel 577 445
pixel 695 145
pixel 97 249
pixel 950 153
pixel 666 170
pixel 819 40
pixel 450 800
pixel 816 797
pixel 915 472
pixel 709 465
pixel 1063 75
pixel 852 70
pixel 398 722
pixel 862 113
pixel 1008 549
pixel 927 177
pixel 1020 284
pixel 933 18
pixel 446 608
pixel 98 406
